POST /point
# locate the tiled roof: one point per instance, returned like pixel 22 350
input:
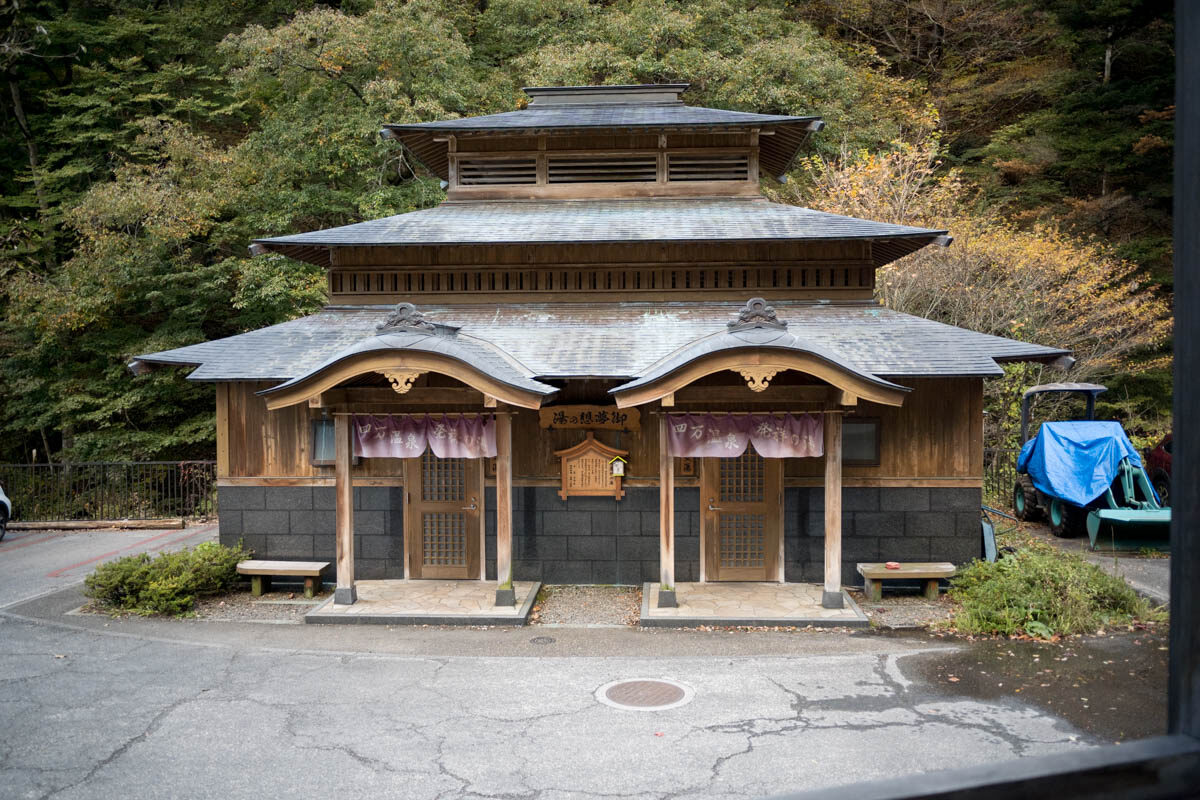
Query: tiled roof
pixel 604 115
pixel 465 349
pixel 562 221
pixel 615 340
pixel 761 337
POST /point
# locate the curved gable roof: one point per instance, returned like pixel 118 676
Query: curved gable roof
pixel 414 342
pixel 759 334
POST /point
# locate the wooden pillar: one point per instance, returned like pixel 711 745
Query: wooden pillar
pixel 666 518
pixel 504 570
pixel 344 594
pixel 832 596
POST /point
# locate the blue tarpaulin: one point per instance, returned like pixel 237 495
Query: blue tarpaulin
pixel 1076 461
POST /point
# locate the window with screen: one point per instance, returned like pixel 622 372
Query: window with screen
pixel 323 442
pixel 860 442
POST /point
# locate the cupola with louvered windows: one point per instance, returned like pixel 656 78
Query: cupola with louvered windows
pixel 691 164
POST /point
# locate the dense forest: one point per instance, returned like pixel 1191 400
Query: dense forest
pixel 148 141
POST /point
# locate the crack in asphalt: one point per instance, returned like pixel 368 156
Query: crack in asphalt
pixel 150 728
pixel 266 679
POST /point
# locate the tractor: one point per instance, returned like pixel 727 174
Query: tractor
pixel 1085 475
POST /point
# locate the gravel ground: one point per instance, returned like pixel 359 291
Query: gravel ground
pixel 587 605
pixel 896 611
pixel 271 607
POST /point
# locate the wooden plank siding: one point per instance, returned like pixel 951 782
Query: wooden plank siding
pixel 935 438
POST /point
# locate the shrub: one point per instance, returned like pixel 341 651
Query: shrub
pixel 168 584
pixel 1042 592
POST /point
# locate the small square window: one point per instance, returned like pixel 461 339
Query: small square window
pixel 324 444
pixel 860 442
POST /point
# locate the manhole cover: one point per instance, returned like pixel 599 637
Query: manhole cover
pixel 644 694
pixel 542 640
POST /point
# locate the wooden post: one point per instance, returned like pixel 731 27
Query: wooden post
pixel 344 594
pixel 832 596
pixel 504 570
pixel 666 518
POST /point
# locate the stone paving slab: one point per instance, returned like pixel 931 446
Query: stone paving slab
pixel 432 602
pixel 789 604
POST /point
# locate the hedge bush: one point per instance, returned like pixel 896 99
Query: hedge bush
pixel 1042 592
pixel 167 584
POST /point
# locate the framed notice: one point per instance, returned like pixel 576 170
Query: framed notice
pixel 587 470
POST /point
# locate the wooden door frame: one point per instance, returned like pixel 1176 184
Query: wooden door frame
pixel 473 478
pixel 710 533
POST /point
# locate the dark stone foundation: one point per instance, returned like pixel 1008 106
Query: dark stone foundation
pixel 601 540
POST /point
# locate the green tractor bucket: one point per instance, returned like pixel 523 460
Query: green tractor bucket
pixel 1130 529
pixel 1133 520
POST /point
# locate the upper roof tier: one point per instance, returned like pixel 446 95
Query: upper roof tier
pixel 645 108
pixel 559 222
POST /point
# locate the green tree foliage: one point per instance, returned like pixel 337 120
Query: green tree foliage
pixel 147 143
pixel 1061 111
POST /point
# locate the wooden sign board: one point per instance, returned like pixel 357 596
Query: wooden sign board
pixel 587 470
pixel 599 417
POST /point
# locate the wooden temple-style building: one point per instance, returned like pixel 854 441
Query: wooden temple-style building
pixel 604 358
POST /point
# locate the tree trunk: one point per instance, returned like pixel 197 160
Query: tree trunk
pixel 30 144
pixel 1108 55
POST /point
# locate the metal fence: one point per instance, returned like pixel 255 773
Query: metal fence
pixel 111 490
pixel 999 475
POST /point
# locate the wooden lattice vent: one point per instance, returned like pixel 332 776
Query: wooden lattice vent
pixel 349 284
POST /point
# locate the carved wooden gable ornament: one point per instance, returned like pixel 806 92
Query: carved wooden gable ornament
pixel 587 470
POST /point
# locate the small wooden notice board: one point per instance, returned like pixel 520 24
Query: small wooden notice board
pixel 587 470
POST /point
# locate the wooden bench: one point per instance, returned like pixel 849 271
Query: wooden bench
pixel 260 573
pixel 929 571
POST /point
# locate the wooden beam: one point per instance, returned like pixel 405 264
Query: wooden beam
pixel 482 518
pixel 668 400
pixel 775 395
pixel 489 401
pixel 504 569
pixel 222 430
pixel 414 396
pixel 666 519
pixel 344 594
pixel 832 596
pixel 760 361
pixel 412 360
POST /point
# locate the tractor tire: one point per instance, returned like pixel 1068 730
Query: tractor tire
pixel 1024 502
pixel 1162 486
pixel 1066 521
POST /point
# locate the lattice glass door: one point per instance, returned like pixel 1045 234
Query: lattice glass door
pixel 445 510
pixel 741 505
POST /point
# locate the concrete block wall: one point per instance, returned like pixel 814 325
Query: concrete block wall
pixel 296 523
pixel 880 524
pixel 602 540
pixel 595 539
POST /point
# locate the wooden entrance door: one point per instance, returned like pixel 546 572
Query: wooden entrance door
pixel 741 509
pixel 445 513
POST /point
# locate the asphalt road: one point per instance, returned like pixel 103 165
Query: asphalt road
pixel 100 708
pixel 34 562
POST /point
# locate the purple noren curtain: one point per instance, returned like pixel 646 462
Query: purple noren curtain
pixel 708 436
pixel 407 437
